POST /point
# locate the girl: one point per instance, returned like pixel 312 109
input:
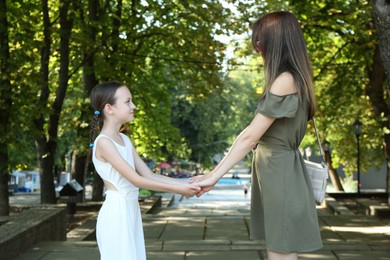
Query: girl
pixel 119 225
pixel 283 209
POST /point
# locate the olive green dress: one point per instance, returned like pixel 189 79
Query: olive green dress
pixel 283 210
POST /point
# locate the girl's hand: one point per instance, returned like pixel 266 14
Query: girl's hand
pixel 188 190
pixel 207 182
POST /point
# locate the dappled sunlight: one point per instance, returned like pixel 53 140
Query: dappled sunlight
pixel 221 205
pixel 165 255
pixel 363 230
pixel 316 256
pixel 182 225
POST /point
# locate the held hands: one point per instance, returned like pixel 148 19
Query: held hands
pixel 188 190
pixel 207 182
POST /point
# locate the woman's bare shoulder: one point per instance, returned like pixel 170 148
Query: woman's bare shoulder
pixel 284 84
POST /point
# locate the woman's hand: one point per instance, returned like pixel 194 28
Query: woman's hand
pixel 207 182
pixel 188 190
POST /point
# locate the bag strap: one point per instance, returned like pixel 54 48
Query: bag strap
pixel 318 140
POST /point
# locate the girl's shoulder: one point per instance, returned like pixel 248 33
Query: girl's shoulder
pixel 126 139
pixel 284 84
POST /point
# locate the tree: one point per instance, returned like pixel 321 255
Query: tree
pixel 5 107
pixel 47 121
pixel 341 44
pixel 379 91
pixel 89 20
pixel 146 45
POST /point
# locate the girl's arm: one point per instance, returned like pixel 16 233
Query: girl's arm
pixel 145 171
pixel 107 152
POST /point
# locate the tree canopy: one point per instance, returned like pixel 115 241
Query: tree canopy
pixel 192 95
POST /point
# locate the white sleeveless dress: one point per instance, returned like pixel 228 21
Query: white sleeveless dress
pixel 119 230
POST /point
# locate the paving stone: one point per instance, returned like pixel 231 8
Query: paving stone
pixel 153 230
pixel 326 235
pixel 365 255
pixel 322 254
pixel 347 246
pixel 248 242
pixel 61 250
pixel 357 236
pixel 209 229
pixel 198 242
pixel 186 229
pixel 29 255
pixel 195 247
pixel 229 228
pixel 380 247
pixel 153 245
pixel 247 247
pixel 79 255
pixel 212 255
pixel 165 255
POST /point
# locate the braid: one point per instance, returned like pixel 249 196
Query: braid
pixel 96 124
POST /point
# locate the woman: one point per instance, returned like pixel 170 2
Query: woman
pixel 283 209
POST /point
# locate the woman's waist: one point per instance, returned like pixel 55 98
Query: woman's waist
pixel 277 145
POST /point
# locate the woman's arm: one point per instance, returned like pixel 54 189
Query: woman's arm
pixel 145 171
pixel 243 144
pixel 248 138
pixel 107 152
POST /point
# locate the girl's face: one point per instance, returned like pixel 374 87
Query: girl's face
pixel 124 106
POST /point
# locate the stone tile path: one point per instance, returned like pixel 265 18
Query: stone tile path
pixel 215 227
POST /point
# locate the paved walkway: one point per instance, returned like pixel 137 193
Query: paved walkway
pixel 215 227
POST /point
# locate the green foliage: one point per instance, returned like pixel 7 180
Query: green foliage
pixel 155 47
pixel 192 100
pixel 341 43
pixel 143 192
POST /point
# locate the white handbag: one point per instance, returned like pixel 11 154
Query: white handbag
pixel 318 173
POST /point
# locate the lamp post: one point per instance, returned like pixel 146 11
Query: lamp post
pixel 357 128
pixel 326 148
pixel 308 153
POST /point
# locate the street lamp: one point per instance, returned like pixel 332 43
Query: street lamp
pixel 326 146
pixel 308 152
pixel 357 128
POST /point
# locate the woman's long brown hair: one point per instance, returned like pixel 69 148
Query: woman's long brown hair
pixel 279 39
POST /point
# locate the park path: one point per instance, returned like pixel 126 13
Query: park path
pixel 215 227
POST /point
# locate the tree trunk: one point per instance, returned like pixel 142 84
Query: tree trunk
pixel 5 99
pixel 116 22
pixel 381 15
pixel 46 168
pixel 98 185
pixel 4 197
pixel 334 177
pixel 90 81
pixel 47 147
pixel 79 174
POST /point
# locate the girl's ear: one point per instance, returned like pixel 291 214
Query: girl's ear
pixel 108 109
